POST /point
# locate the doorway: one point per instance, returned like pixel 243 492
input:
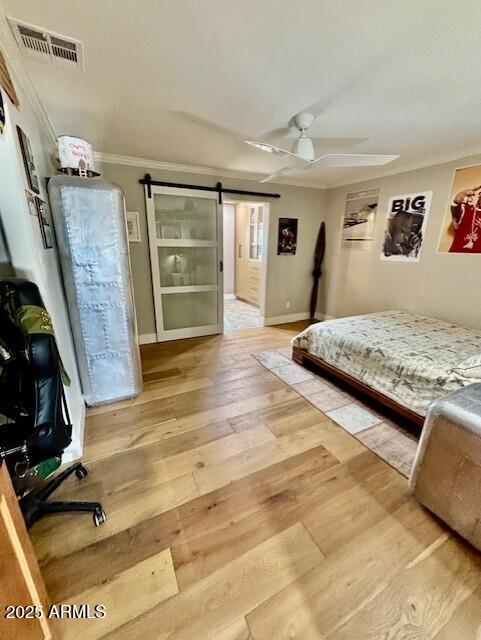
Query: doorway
pixel 208 262
pixel 244 225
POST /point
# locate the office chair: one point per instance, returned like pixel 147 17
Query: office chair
pixel 36 425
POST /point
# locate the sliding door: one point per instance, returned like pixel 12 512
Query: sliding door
pixel 185 238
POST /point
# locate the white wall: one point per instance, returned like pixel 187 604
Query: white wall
pixel 229 248
pixel 442 285
pixel 29 259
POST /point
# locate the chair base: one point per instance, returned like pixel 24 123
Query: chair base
pixel 35 505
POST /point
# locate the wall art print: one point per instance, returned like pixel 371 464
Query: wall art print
pixel 406 221
pixel 359 219
pixel 44 223
pixel 287 237
pixel 461 228
pixel 28 161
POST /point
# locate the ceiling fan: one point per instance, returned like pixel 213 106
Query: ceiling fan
pixel 303 150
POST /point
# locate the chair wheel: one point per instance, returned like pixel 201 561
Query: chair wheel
pixel 99 518
pixel 81 472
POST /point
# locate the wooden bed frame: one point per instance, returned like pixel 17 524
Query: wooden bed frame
pixel 310 361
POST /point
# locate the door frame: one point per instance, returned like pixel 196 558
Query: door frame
pixel 265 249
pixel 164 335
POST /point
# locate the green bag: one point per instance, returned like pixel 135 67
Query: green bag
pixel 32 319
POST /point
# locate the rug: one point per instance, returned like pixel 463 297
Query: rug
pixel 240 315
pixel 377 431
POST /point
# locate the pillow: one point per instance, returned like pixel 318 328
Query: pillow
pixel 469 368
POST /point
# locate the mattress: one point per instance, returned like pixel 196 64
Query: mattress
pixel 408 358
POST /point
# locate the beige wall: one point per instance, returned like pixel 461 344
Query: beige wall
pixel 288 277
pixel 442 285
pixel 228 220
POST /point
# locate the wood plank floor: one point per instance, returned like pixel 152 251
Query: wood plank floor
pixel 238 511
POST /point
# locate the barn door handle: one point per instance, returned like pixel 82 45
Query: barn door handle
pixel 240 251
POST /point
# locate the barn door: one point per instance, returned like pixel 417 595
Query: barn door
pixel 185 237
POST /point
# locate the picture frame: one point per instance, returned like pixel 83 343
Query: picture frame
pixel 2 114
pixel 32 205
pixel 460 232
pixel 6 81
pixel 28 161
pixel 133 226
pixel 359 219
pixel 287 237
pixel 44 223
pixel 405 226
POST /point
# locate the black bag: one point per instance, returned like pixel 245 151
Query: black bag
pixel 32 399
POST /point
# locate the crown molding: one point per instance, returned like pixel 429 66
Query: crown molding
pixel 147 163
pixel 17 69
pixel 433 162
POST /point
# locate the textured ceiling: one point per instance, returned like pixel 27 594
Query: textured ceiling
pixel 392 77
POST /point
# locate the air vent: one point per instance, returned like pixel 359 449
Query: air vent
pixel 34 40
pixel 64 49
pixel 46 45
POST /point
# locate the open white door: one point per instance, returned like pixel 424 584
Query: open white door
pixel 185 238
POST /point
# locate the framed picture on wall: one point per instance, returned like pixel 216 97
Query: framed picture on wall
pixel 287 237
pixel 461 228
pixel 2 114
pixel 44 223
pixel 28 161
pixel 32 205
pixel 406 221
pixel 6 81
pixel 133 227
pixel 359 219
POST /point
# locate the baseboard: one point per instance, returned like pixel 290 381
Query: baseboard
pixel 75 449
pixel 229 296
pixel 293 317
pixel 290 317
pixel 149 338
pixel 72 453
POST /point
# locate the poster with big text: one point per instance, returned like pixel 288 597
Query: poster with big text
pixel 406 221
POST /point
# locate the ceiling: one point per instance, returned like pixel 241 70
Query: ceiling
pixel 399 77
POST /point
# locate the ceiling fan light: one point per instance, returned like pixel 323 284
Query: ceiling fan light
pixel 304 148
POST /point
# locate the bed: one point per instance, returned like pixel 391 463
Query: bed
pixel 404 361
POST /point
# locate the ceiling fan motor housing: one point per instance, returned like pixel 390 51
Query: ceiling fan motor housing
pixel 302 121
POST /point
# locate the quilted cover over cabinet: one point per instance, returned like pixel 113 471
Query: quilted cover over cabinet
pixel 89 220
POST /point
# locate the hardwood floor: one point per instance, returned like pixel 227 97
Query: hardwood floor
pixel 238 511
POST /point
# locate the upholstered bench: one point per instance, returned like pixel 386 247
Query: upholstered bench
pixel 446 476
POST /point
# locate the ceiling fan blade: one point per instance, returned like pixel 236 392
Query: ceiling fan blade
pixel 321 142
pixel 353 160
pixel 198 121
pixel 356 78
pixel 279 172
pixel 270 148
pixel 281 132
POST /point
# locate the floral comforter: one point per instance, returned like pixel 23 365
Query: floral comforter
pixel 406 357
